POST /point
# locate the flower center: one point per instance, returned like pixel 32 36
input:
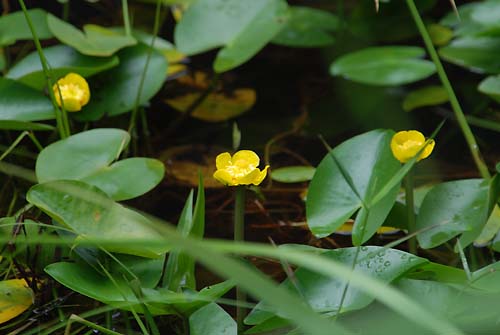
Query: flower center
pixel 72 91
pixel 240 168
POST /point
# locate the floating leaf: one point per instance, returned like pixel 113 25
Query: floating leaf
pixel 19 102
pixel 212 320
pixel 15 298
pixel 450 209
pixel 62 60
pixel 477 54
pixel 307 27
pixel 242 28
pixel 426 96
pixel 347 180
pixel 440 35
pixel 90 155
pixel 324 294
pixel 390 65
pixel 93 41
pixel 115 291
pixel 13 26
pixel 128 178
pixel 216 107
pixel 80 155
pixel 115 91
pixel 91 214
pixel 491 86
pixel 293 174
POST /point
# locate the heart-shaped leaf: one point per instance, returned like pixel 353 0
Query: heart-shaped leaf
pixel 347 180
pixel 80 155
pixel 453 208
pixel 13 26
pixel 390 65
pixel 477 54
pixel 242 28
pixel 19 102
pixel 62 60
pixel 128 178
pixel 115 91
pixel 93 41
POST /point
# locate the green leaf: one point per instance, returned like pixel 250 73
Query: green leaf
pixel 91 214
pixel 116 90
pixel 91 153
pixel 13 26
pixel 307 27
pixel 128 178
pixel 293 174
pixel 212 320
pixel 19 102
pixel 80 155
pixel 390 65
pixel 477 54
pixel 23 125
pixel 450 209
pixel 426 96
pixel 62 60
pixel 180 270
pixel 147 270
pixel 324 294
pixel 115 291
pixel 93 41
pixel 491 86
pixel 347 180
pixel 242 28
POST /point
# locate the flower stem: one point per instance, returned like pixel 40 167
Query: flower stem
pixel 457 109
pixel 126 18
pixel 239 235
pixel 61 116
pixel 410 206
pixel 156 27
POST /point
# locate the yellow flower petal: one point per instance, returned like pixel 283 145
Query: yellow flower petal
pixel 240 169
pixel 262 175
pixel 406 144
pixel 245 158
pixel 223 160
pixel 74 90
pixel 224 177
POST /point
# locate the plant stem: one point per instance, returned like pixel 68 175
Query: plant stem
pixel 465 264
pixel 60 115
pixel 126 18
pixel 156 27
pixel 457 109
pixel 239 235
pixel 410 207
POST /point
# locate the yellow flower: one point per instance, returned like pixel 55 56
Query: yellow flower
pixel 75 92
pixel 406 144
pixel 241 169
